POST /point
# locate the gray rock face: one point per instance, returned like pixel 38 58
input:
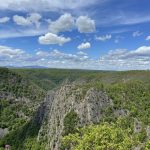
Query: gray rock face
pixel 137 126
pixel 137 148
pixel 121 112
pixel 3 132
pixel 148 131
pixel 87 105
pixel 43 114
pixel 5 95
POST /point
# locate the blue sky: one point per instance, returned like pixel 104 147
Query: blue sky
pixel 84 34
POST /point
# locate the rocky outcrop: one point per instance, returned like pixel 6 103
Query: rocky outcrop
pixel 137 126
pixel 42 114
pixel 148 131
pixel 88 106
pixel 3 132
pixel 121 112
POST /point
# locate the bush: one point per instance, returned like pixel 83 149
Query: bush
pixel 100 137
pixel 70 122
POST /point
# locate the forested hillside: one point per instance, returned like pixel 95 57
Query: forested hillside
pixel 19 100
pixel 54 109
pixel 51 78
pixel 125 125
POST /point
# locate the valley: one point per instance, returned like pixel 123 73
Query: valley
pixel 61 109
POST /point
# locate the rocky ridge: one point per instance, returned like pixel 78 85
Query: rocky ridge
pixel 87 105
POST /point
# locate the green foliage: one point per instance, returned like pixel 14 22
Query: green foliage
pixel 108 115
pixel 32 144
pixel 147 147
pixel 51 78
pixel 15 113
pixel 133 96
pixel 24 137
pixel 100 137
pixel 70 122
pixel 18 86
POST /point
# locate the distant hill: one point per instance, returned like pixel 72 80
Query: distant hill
pixel 48 78
pixel 26 67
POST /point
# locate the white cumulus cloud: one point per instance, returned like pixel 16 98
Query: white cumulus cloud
pixel 63 23
pixel 20 20
pixel 4 19
pixel 84 46
pixel 121 59
pixel 82 53
pixel 51 38
pixel 32 18
pixel 104 37
pixel 118 59
pixel 85 24
pixel 76 58
pixel 42 53
pixel 8 52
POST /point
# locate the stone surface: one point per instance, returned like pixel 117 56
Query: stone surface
pixel 148 131
pixel 121 112
pixel 137 126
pixel 3 132
pixel 87 105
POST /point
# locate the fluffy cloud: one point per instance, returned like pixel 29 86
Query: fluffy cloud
pixel 33 18
pixel 9 53
pixel 68 57
pixel 104 37
pixel 42 53
pixel 58 55
pixel 137 33
pixel 82 53
pixel 4 19
pixel 141 51
pixel 123 59
pixel 60 59
pixel 20 20
pixel 119 59
pixel 16 57
pixel 84 46
pixel 51 38
pixel 147 38
pixel 64 23
pixel 85 24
